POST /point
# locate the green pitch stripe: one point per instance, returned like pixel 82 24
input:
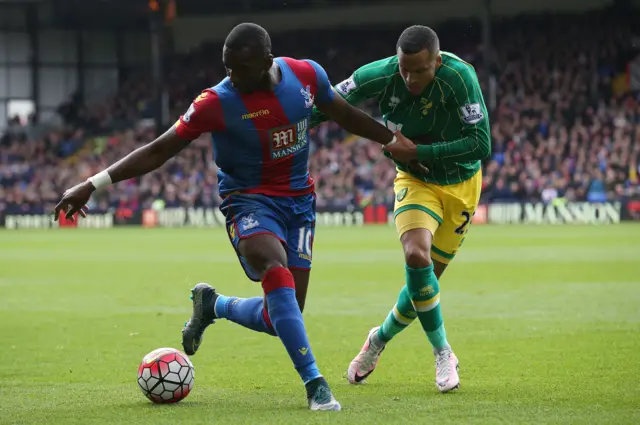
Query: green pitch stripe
pixel 442 253
pixel 417 207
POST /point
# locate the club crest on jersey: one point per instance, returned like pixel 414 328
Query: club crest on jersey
pixel 249 222
pixel 308 97
pixel 402 194
pixel 394 101
pixel 289 139
pixel 425 105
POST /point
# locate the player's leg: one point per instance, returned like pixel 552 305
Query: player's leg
pixel 301 278
pixel 460 202
pixel 279 287
pixel 417 213
pixel 301 232
pixel 246 216
pixel 438 267
pixel 260 237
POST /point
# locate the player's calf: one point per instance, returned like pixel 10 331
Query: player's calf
pixel 424 291
pixel 266 255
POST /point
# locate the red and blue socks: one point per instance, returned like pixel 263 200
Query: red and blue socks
pixel 284 318
pixel 247 312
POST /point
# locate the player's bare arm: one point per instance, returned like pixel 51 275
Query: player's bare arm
pixel 139 162
pixel 402 150
pixel 358 122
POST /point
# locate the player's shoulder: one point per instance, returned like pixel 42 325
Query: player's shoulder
pixel 299 65
pixel 384 67
pixel 456 67
pixel 224 89
pixel 212 97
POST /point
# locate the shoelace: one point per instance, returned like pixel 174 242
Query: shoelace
pixel 371 355
pixel 443 365
pixel 322 395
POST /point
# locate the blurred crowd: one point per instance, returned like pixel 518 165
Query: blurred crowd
pixel 560 128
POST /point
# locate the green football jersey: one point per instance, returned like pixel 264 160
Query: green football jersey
pixel 450 115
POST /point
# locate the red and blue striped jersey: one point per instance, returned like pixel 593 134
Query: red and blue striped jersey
pixel 261 139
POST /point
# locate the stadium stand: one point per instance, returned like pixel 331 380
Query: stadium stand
pixel 561 128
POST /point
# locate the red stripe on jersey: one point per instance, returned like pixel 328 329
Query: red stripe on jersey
pixel 275 173
pixel 304 73
pixel 203 116
pixel 271 190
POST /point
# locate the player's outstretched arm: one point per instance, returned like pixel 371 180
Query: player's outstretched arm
pixel 204 115
pixel 367 82
pixel 139 162
pixel 356 121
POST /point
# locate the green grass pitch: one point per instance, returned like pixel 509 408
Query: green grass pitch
pixel 545 321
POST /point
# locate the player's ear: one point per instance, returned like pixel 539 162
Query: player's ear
pixel 269 59
pixel 438 60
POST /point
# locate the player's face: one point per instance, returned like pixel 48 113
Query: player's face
pixel 247 70
pixel 418 70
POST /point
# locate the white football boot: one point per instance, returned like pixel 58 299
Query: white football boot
pixel 366 361
pixel 447 378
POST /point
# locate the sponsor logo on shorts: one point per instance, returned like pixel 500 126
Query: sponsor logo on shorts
pixel 232 231
pixel 304 256
pixel 402 194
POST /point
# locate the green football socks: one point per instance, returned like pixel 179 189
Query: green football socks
pixel 420 297
pixel 425 296
pixel 399 317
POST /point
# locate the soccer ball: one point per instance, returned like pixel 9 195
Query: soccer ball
pixel 166 375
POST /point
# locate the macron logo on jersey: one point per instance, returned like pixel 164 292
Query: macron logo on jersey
pixel 252 115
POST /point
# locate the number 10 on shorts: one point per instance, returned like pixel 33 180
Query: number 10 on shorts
pixel 304 242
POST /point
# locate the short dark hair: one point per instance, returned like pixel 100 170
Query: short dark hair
pixel 250 36
pixel 418 38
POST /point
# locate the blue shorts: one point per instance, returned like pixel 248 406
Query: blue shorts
pixel 290 219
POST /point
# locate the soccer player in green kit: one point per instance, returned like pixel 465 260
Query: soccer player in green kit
pixel 433 98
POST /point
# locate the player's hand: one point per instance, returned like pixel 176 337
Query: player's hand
pixel 402 150
pixel 75 200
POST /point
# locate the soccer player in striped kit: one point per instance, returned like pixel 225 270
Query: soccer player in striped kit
pixel 259 121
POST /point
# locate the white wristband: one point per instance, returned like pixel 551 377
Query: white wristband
pixel 100 180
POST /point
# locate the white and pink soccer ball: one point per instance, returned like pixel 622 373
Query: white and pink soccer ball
pixel 166 375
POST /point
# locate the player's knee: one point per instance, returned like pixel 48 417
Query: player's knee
pixel 417 256
pixel 263 253
pixel 263 267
